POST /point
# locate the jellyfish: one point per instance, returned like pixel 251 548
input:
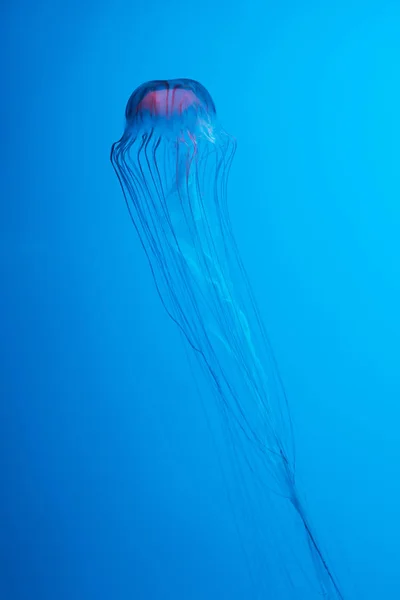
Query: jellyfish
pixel 173 162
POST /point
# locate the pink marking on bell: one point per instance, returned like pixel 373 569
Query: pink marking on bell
pixel 166 103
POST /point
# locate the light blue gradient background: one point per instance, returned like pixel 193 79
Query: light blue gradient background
pixel 109 485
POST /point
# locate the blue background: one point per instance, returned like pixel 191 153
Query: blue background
pixel 109 487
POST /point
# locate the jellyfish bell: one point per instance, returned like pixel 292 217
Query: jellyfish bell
pixel 180 108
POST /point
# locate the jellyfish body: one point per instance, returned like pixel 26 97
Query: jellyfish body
pixel 173 162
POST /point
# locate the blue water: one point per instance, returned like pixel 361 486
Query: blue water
pixel 111 487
